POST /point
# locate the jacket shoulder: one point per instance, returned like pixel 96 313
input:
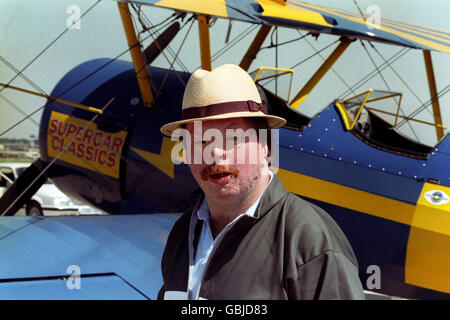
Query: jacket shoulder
pixel 313 231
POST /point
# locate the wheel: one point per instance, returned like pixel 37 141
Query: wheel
pixel 34 209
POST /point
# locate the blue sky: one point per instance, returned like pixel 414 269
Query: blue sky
pixel 27 27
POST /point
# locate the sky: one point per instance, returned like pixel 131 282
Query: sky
pixel 28 27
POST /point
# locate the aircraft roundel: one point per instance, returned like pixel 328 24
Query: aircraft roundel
pixel 436 197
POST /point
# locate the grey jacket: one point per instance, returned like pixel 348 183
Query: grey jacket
pixel 291 249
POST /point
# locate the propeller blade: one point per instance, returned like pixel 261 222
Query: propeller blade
pixel 160 43
pixel 13 199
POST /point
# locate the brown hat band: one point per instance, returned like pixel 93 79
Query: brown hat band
pixel 223 108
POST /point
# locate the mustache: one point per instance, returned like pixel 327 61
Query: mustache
pixel 218 169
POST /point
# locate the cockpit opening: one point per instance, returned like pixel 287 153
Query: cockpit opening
pixel 373 117
pixel 276 97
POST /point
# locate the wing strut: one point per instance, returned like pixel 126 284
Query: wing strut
pixel 205 50
pixel 433 94
pixel 328 63
pixel 136 55
pixel 250 55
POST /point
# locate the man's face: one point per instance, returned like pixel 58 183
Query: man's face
pixel 229 159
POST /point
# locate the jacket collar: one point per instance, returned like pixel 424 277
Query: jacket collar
pixel 273 194
pixel 195 198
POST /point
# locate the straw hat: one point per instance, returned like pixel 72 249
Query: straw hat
pixel 225 92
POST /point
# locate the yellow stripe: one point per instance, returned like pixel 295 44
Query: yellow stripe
pixel 385 23
pixel 290 12
pixel 418 30
pixel 436 31
pixel 208 7
pixel 347 197
pixel 424 42
pixel 428 253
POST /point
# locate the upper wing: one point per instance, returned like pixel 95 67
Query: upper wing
pixel 301 15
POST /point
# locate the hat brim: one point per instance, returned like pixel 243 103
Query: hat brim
pixel 272 121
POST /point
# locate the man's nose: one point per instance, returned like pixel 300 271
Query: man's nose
pixel 218 153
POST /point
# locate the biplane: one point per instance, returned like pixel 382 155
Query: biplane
pixel 100 143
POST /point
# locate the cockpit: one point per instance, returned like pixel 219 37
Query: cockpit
pixel 374 117
pixel 266 79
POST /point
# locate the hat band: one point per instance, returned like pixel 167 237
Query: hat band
pixel 223 108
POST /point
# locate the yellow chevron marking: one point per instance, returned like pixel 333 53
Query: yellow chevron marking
pixel 163 160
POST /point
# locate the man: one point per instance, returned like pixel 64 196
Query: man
pixel 246 236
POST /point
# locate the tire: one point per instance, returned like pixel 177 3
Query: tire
pixel 34 209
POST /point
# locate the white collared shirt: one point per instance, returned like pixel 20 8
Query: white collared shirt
pixel 206 243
